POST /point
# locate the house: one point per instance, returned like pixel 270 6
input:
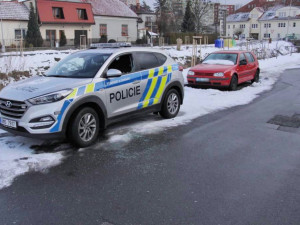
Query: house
pixel 113 20
pixel 14 19
pixel 146 21
pixel 277 22
pixel 73 18
pixel 266 4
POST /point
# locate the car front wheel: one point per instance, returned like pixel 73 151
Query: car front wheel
pixel 84 128
pixel 233 83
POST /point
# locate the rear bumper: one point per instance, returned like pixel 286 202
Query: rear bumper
pixel 23 132
pixel 212 81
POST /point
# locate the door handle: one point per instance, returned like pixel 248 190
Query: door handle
pixel 136 82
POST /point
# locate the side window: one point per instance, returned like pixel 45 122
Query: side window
pixel 250 57
pixel 147 60
pixel 124 63
pixel 242 57
pixel 161 58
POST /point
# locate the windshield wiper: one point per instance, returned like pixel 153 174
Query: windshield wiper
pixel 56 76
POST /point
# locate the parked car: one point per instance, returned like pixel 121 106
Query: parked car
pixel 91 89
pixel 225 69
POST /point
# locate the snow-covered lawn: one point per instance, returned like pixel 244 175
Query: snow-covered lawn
pixel 17 156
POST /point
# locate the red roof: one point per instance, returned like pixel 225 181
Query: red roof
pixel 69 10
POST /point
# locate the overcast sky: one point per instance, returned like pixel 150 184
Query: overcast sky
pixel 240 2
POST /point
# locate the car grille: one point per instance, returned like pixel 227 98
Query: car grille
pixel 204 74
pixel 16 109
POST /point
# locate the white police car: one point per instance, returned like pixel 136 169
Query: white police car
pixel 91 89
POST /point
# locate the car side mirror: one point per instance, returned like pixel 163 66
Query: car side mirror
pixel 243 62
pixel 113 73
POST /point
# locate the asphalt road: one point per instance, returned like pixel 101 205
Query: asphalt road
pixel 231 167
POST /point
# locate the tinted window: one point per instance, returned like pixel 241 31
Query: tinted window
pixel 124 63
pixel 147 60
pixel 161 58
pixel 250 57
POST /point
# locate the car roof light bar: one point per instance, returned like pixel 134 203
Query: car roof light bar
pixel 111 45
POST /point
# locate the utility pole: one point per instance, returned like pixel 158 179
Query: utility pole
pixel 3 42
pixel 151 32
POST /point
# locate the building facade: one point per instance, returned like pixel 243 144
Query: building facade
pixel 278 22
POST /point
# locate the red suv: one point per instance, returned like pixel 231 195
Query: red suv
pixel 225 69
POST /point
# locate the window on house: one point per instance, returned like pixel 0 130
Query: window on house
pixel 228 26
pixel 58 13
pixel 294 24
pixel 148 19
pixel 82 15
pixel 282 14
pixel 50 35
pixel 124 30
pixel 254 26
pixel 281 24
pixel 103 29
pixel 20 33
pixel 267 35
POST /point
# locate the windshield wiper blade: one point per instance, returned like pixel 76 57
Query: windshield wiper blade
pixel 56 76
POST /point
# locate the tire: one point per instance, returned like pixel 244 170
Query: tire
pixel 233 83
pixel 83 129
pixel 171 104
pixel 256 77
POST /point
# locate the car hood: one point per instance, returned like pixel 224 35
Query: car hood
pixel 211 68
pixel 37 85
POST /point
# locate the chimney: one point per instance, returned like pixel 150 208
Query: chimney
pixel 138 5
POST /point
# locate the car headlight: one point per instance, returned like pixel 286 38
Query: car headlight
pixel 49 98
pixel 191 73
pixel 218 74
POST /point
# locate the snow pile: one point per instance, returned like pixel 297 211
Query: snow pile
pixel 219 62
pixel 16 158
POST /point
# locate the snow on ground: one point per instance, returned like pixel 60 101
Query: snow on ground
pixel 17 156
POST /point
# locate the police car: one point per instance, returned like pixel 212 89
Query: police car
pixel 90 89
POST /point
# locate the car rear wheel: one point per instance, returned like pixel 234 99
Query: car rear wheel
pixel 84 128
pixel 256 77
pixel 233 83
pixel 171 104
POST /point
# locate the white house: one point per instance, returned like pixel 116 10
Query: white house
pixel 13 22
pixel 113 19
pixel 277 22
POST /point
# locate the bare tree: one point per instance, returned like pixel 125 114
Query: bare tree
pixel 199 9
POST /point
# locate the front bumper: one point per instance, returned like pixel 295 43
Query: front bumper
pixel 23 132
pixel 25 125
pixel 212 81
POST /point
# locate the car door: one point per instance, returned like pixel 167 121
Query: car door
pixel 123 92
pixel 251 66
pixel 242 69
pixel 154 77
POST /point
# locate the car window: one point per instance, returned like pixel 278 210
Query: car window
pixel 161 58
pixel 147 60
pixel 242 57
pixel 78 65
pixel 221 58
pixel 250 57
pixel 124 63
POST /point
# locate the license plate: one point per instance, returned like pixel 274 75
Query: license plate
pixel 202 79
pixel 9 123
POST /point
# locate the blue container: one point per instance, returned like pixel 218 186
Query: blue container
pixel 219 43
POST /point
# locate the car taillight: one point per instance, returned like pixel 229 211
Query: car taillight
pixel 180 68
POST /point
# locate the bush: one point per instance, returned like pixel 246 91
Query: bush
pixel 112 41
pixel 63 39
pixel 103 39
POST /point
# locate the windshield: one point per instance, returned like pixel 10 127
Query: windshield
pixel 79 65
pixel 221 59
